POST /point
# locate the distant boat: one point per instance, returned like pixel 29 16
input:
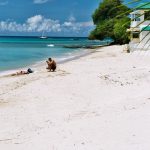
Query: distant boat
pixel 43 37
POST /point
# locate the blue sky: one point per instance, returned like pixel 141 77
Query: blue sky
pixel 55 17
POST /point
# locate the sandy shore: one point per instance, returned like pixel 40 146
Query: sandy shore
pixel 98 102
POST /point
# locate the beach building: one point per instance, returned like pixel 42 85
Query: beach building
pixel 140 28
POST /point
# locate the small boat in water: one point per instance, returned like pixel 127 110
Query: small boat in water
pixel 43 37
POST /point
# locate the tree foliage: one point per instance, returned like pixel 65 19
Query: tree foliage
pixel 120 28
pixel 111 21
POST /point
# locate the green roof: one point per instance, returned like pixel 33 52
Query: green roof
pixel 146 28
pixel 143 6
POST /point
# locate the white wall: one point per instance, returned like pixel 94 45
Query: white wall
pixel 135 22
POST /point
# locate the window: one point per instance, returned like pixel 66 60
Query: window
pixel 135 35
pixel 147 15
pixel 137 17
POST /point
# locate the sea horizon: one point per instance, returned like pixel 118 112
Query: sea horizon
pixel 46 36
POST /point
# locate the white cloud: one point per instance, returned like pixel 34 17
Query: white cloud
pixel 87 24
pixel 71 24
pixel 3 3
pixel 39 23
pixel 40 1
pixel 72 18
pixel 33 24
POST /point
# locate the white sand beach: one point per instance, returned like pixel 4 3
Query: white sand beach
pixel 97 102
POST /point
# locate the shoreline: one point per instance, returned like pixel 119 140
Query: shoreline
pixel 41 64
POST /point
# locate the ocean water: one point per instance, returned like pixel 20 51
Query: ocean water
pixel 19 52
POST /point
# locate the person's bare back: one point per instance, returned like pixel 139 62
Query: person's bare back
pixel 51 64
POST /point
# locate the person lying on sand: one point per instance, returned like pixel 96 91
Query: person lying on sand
pixel 51 64
pixel 23 72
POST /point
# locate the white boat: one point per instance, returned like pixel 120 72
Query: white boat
pixel 43 37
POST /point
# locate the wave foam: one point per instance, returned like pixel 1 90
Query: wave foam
pixel 50 45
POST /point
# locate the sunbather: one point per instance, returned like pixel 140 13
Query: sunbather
pixel 23 72
pixel 51 64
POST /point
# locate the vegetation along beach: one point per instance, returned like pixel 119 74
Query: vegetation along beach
pixel 96 97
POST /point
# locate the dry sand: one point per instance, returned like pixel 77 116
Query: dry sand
pixel 98 102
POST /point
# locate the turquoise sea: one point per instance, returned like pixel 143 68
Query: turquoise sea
pixel 18 52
